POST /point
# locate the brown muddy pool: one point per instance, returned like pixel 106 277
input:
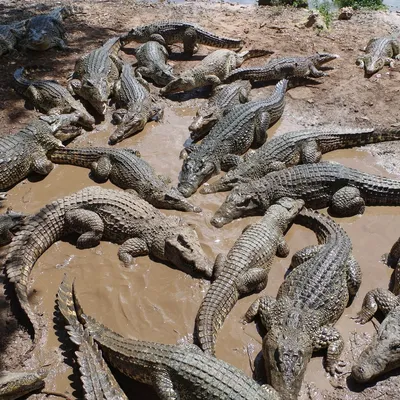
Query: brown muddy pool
pixel 154 302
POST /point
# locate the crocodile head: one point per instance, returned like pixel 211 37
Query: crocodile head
pixel 39 39
pixel 139 34
pixel 241 202
pixel 131 122
pixel 286 352
pixel 183 250
pixel 383 353
pixel 163 77
pixel 180 84
pixel 96 91
pixel 203 122
pixel 373 64
pixel 323 58
pixel 176 201
pixel 194 173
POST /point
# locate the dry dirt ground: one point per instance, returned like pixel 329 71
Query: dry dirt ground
pixel 344 98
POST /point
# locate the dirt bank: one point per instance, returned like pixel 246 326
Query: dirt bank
pixel 152 301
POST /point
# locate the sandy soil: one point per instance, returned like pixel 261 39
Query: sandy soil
pixel 152 301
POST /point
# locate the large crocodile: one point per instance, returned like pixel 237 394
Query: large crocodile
pixel 103 214
pixel 185 32
pixel 175 371
pixel 46 31
pixel 379 52
pixel 96 73
pixel 298 147
pixel 97 379
pixel 212 70
pixel 285 67
pixel 222 98
pixel 345 190
pixel 152 62
pixel 244 126
pixel 309 302
pixel 382 354
pixel 50 97
pixel 10 36
pixel 245 269
pixel 126 169
pixel 137 106
pixel 10 222
pixel 26 151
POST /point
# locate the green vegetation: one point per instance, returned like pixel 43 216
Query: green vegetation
pixel 294 3
pixel 372 4
pixel 325 9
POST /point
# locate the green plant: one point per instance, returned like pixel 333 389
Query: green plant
pixel 372 4
pixel 325 9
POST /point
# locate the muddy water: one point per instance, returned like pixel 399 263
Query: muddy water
pixel 154 302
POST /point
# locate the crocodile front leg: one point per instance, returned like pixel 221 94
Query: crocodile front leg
pixel 131 248
pixel 163 385
pixel 330 338
pixel 261 124
pixel 353 275
pixel 101 169
pixel 189 41
pixel 305 254
pixel 212 80
pixel 262 307
pixel 374 299
pixel 41 164
pixel 88 224
pixel 315 73
pixel 347 202
pixel 254 280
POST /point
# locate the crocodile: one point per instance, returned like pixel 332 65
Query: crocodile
pixel 382 354
pixel 345 190
pixel 96 73
pixel 175 371
pixel 285 67
pixel 138 105
pixel 125 169
pixel 46 31
pixel 10 222
pixel 152 62
pixel 298 147
pixel 309 302
pixel 245 269
pixel 50 97
pixel 97 379
pixel 244 126
pixel 26 151
pixel 393 260
pixel 223 98
pixel 14 385
pixel 212 70
pixel 379 52
pixel 10 35
pixel 103 214
pixel 169 32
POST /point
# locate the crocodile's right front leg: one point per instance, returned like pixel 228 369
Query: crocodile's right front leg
pixel 263 307
pixel 163 385
pixel 40 164
pixel 131 248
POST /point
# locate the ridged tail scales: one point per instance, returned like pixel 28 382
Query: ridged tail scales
pixel 81 157
pixel 220 299
pixel 97 379
pixel 209 39
pixel 254 54
pixel 36 236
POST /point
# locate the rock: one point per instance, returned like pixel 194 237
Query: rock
pixel 346 13
pixel 300 93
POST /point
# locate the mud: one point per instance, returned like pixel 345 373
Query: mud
pixel 152 301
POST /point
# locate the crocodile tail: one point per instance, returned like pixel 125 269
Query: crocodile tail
pixel 209 39
pixel 81 157
pixel 255 53
pixel 20 81
pixel 281 86
pixel 39 232
pixel 216 305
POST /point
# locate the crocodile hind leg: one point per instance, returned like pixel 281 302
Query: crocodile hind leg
pixel 304 255
pixel 189 41
pixel 41 164
pixel 310 152
pixel 330 338
pixel 218 265
pixel 132 248
pixel 261 125
pixel 380 298
pixel 353 275
pixel 88 224
pixel 347 202
pixel 282 249
pixel 163 385
pixel 316 73
pixel 101 169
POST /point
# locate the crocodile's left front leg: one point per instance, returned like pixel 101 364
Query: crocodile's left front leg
pixel 315 73
pixel 262 307
pixel 40 163
pixel 330 338
pixel 131 248
pixel 262 121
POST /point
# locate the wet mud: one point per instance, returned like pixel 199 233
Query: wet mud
pixel 152 301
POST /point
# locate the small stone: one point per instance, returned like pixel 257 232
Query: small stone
pixel 346 13
pixel 310 101
pixel 246 30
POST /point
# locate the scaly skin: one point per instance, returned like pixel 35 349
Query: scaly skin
pixel 97 379
pixel 245 269
pixel 103 214
pixel 185 32
pixel 379 52
pixel 26 151
pixel 10 35
pixel 46 31
pixel 223 98
pixel 298 147
pixel 125 169
pixel 212 70
pixel 382 354
pixel 345 190
pixel 14 385
pixel 138 106
pixel 152 62
pixel 96 74
pixel 244 126
pixel 50 97
pixel 176 372
pixel 309 302
pixel 285 68
pixel 10 222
